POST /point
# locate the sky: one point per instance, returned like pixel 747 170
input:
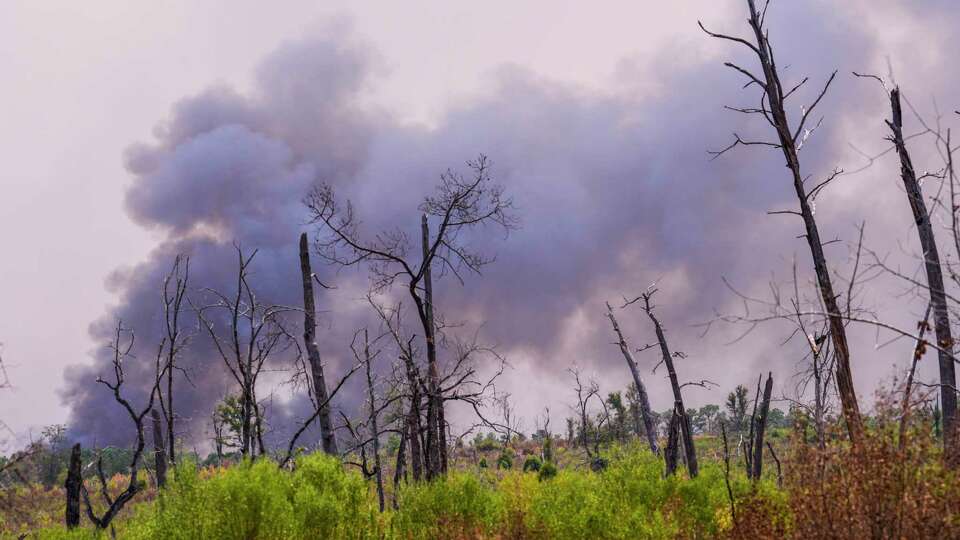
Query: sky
pixel 126 123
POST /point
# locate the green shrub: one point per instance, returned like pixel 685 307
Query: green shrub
pixel 483 463
pixel 458 506
pixel 548 471
pixel 532 464
pixel 505 460
pixel 258 500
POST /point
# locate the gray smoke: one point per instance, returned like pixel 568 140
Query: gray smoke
pixel 614 190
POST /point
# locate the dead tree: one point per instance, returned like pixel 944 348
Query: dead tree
pixel 672 453
pixel 415 385
pixel 254 332
pixel 643 400
pixel 772 109
pixel 73 485
pixel 367 359
pixel 327 436
pixel 174 294
pixel 690 452
pixel 931 262
pixel 159 453
pixel 761 425
pixel 121 351
pixel 460 204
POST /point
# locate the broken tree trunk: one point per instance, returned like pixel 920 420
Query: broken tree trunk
pixel 644 401
pixel 931 262
pixel 690 453
pixel 73 485
pixel 788 144
pixel 327 435
pixel 761 422
pixel 159 452
pixel 436 434
pixel 671 453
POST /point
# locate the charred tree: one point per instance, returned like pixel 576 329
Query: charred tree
pixel 73 485
pixel 672 452
pixel 689 451
pixel 643 399
pixel 761 425
pixel 772 109
pixel 327 436
pixel 459 204
pixel 159 453
pixel 931 262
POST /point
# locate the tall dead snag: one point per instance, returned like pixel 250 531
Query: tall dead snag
pixel 643 399
pixel 690 452
pixel 73 484
pixel 159 453
pixel 327 436
pixel 460 204
pixel 772 109
pixel 761 425
pixel 174 295
pixel 367 360
pixel 931 262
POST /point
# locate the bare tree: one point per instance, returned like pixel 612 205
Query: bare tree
pixel 643 400
pixel 690 452
pixel 460 204
pixel 174 294
pixel 159 453
pixel 789 141
pixel 121 347
pixel 931 261
pixel 313 352
pixel 761 425
pixel 253 333
pixel 367 357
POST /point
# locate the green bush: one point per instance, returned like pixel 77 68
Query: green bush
pixel 505 460
pixel 483 463
pixel 548 471
pixel 258 500
pixel 458 506
pixel 532 464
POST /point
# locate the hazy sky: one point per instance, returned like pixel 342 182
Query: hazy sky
pixel 82 82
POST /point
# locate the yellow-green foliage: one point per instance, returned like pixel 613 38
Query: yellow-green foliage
pixel 630 499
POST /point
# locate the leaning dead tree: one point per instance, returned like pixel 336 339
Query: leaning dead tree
pixel 460 204
pixel 246 333
pixel 690 452
pixel 772 109
pixel 933 269
pixel 121 347
pixel 643 399
pixel 327 436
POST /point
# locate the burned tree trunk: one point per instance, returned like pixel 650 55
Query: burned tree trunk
pixel 761 425
pixel 400 470
pixel 73 485
pixel 643 400
pixel 690 453
pixel 327 435
pixel 436 447
pixel 159 452
pixel 673 443
pixel 938 300
pixel 413 424
pixel 374 428
pixel 788 141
